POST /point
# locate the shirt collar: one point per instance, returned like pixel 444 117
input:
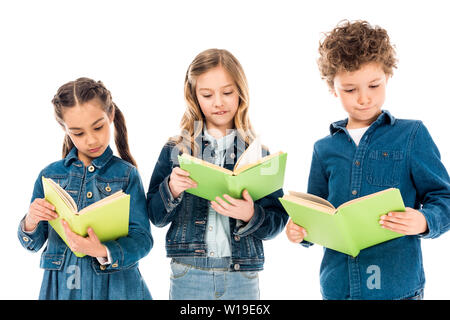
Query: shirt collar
pixel 222 143
pixel 98 162
pixel 384 118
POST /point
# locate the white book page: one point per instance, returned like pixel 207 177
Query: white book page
pixel 251 155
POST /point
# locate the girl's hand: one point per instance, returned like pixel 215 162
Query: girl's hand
pixel 410 222
pixel 294 232
pixel 90 245
pixel 242 209
pixel 179 181
pixel 40 210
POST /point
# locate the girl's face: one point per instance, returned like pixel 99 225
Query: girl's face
pixel 88 126
pixel 218 97
pixel 362 93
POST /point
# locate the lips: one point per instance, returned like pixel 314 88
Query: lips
pixel 94 150
pixel 220 113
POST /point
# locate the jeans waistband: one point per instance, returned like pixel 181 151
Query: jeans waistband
pixel 205 262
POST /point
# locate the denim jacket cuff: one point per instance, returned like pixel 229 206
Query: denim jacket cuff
pixel 116 256
pixel 31 239
pixel 255 222
pixel 169 201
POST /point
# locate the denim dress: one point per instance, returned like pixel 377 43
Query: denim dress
pixel 69 277
pixel 394 153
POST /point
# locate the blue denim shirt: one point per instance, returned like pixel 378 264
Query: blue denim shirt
pixel 392 153
pixel 188 214
pixel 106 175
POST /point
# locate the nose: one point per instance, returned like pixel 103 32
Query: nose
pixel 363 97
pixel 91 139
pixel 218 102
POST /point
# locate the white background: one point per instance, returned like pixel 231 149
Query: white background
pixel 141 50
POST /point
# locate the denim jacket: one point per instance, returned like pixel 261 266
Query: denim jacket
pixel 188 214
pixel 106 175
pixel 392 153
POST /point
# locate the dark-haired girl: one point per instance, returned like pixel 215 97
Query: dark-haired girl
pixel 89 172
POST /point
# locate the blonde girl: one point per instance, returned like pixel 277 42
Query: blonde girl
pixel 216 247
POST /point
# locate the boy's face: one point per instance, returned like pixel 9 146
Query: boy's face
pixel 362 93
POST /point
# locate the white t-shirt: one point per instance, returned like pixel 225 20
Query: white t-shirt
pixel 357 134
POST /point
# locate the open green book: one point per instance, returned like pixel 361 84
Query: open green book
pixel 351 227
pixel 260 177
pixel 107 217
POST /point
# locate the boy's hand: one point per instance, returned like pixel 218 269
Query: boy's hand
pixel 90 245
pixel 179 182
pixel 410 222
pixel 40 210
pixel 294 232
pixel 242 209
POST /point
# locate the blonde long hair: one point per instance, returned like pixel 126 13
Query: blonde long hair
pixel 193 119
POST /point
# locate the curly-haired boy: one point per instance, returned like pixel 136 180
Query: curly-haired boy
pixel 368 152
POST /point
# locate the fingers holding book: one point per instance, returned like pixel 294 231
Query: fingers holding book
pixel 89 245
pixel 40 210
pixel 294 232
pixel 409 222
pixel 179 181
pixel 242 209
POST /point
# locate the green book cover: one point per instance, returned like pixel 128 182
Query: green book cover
pixel 260 178
pixel 108 217
pixel 351 227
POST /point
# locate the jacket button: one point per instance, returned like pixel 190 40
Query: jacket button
pixel 232 156
pixel 115 265
pixel 357 163
pixel 354 192
pixel 26 239
pixel 91 168
pixel 89 195
pixel 102 267
pixel 237 266
pixel 108 188
pixel 237 238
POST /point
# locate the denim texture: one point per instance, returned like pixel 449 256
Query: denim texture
pixel 187 214
pixel 106 175
pixel 392 153
pixel 211 283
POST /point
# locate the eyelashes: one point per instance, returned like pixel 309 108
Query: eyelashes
pixel 79 134
pixel 353 90
pixel 206 96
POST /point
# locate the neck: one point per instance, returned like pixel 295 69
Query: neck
pixel 86 160
pixel 218 132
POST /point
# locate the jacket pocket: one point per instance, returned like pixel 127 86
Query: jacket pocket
pixel 52 261
pixel 108 187
pixel 383 167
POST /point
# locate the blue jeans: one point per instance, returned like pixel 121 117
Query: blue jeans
pixel 193 283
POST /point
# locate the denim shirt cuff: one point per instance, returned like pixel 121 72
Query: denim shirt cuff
pixel 253 224
pixel 169 201
pixel 31 238
pixel 430 232
pixel 306 244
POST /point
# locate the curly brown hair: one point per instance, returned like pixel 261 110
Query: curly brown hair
pixel 350 45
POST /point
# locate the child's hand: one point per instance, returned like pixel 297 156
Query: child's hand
pixel 40 210
pixel 179 181
pixel 241 209
pixel 410 222
pixel 294 232
pixel 90 245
